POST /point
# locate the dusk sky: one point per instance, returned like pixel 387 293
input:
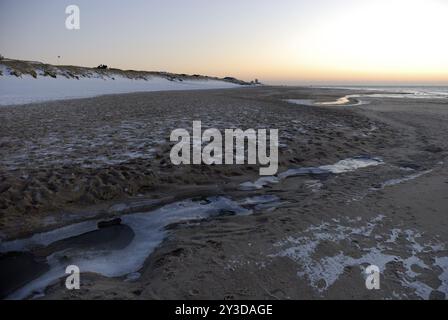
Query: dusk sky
pixel 287 41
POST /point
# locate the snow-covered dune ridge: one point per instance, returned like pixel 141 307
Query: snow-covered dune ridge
pixel 24 82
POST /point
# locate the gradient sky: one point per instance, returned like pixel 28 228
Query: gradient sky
pixel 285 41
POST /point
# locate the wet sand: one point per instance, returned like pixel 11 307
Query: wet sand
pixel 68 161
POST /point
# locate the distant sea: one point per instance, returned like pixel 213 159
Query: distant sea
pixel 403 91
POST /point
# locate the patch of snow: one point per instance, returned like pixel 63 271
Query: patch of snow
pixel 343 166
pixel 258 184
pixel 149 229
pixel 442 263
pixel 352 164
pixel 410 177
pixel 26 89
pixel 323 272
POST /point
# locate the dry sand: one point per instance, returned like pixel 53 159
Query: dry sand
pixel 73 160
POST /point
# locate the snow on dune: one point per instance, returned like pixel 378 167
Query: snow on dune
pixel 26 89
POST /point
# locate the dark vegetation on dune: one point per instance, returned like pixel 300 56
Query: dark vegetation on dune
pixel 35 69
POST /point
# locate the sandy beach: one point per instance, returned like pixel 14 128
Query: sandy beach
pixel 307 234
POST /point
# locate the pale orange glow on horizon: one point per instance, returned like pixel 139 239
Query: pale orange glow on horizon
pixel 295 41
